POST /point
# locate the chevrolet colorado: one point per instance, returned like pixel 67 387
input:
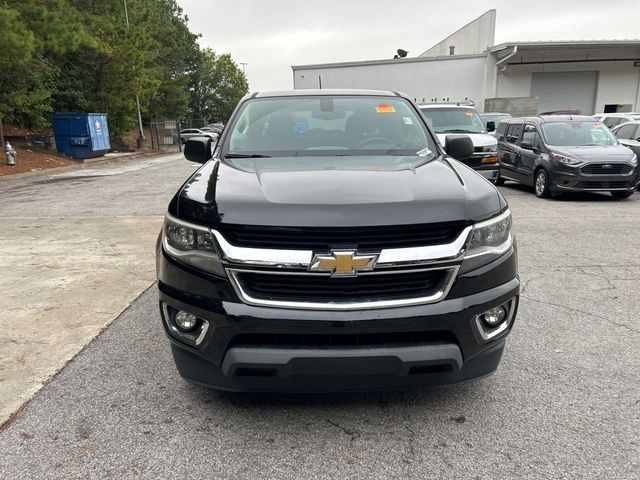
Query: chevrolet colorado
pixel 329 242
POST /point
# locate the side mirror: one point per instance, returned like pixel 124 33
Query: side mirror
pixel 491 127
pixel 198 149
pixel 526 145
pixel 459 147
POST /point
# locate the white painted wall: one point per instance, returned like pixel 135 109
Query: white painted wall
pixel 455 78
pixel 471 39
pixel 618 82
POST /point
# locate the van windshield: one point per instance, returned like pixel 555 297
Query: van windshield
pixel 325 125
pixel 577 133
pixel 454 120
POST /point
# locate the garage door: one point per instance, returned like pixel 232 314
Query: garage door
pixel 565 90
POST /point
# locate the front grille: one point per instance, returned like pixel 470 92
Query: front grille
pixel 327 341
pixel 612 169
pixel 324 238
pixel 325 289
pixel 603 185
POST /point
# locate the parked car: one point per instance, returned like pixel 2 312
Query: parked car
pixel 556 154
pixel 332 243
pixel 449 120
pixel 494 117
pixel 614 119
pixel 188 133
pixel 628 134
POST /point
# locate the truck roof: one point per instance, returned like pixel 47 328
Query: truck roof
pixel 327 91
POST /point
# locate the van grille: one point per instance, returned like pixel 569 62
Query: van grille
pixel 611 169
pixel 603 185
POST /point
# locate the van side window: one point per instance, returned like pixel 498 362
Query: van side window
pixel 612 121
pixel 627 132
pixel 502 128
pixel 514 131
pixel 530 134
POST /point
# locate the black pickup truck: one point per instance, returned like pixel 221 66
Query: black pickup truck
pixel 329 242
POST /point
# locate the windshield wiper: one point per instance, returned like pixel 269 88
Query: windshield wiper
pixel 245 155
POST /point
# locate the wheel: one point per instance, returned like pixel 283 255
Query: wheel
pixel 499 181
pixel 541 184
pixel 618 194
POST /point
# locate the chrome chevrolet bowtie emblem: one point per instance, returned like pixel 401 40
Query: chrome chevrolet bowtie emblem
pixel 344 263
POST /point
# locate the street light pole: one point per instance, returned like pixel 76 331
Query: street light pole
pixel 141 131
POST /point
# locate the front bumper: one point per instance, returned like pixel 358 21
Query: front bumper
pixel 490 172
pixel 487 170
pixel 569 179
pixel 252 348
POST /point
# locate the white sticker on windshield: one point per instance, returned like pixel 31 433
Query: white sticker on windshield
pixel 425 152
pixel 407 120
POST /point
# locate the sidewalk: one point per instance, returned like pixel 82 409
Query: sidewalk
pixel 65 164
pixel 76 248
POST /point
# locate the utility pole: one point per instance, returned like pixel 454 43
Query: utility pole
pixel 1 136
pixel 141 131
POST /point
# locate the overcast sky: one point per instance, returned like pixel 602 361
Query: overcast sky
pixel 272 35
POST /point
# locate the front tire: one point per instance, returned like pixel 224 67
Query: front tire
pixel 618 194
pixel 541 184
pixel 499 181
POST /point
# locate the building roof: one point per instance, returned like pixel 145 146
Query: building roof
pixel 566 44
pixel 387 61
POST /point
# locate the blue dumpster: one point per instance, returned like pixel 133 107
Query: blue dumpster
pixel 81 135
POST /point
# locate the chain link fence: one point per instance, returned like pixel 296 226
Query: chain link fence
pixel 165 135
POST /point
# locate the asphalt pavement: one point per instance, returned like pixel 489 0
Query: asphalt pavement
pixel 565 402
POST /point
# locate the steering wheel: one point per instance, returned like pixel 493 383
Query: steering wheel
pixel 376 140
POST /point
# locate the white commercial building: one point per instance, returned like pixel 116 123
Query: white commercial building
pixel 521 78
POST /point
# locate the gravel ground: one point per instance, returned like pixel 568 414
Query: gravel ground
pixel 565 402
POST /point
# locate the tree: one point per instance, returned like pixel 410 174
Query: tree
pixel 79 55
pixel 217 85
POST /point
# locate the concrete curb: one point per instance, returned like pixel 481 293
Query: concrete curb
pixel 80 165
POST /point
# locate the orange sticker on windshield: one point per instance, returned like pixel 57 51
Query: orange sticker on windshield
pixel 469 114
pixel 385 108
pixel 596 125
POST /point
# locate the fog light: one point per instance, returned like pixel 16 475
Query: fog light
pixel 185 321
pixel 494 316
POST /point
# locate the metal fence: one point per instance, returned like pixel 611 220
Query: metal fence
pixel 166 134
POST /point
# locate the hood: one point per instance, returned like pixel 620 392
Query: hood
pixel 596 153
pixel 478 139
pixel 336 191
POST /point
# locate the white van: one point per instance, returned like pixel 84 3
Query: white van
pixel 455 119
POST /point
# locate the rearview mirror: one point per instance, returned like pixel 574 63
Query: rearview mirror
pixel 491 127
pixel 198 149
pixel 459 147
pixel 526 145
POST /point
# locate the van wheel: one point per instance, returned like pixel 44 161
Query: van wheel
pixel 541 184
pixel 618 194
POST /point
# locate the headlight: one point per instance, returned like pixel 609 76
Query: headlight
pixel 191 244
pixel 634 160
pixel 489 240
pixel 564 159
